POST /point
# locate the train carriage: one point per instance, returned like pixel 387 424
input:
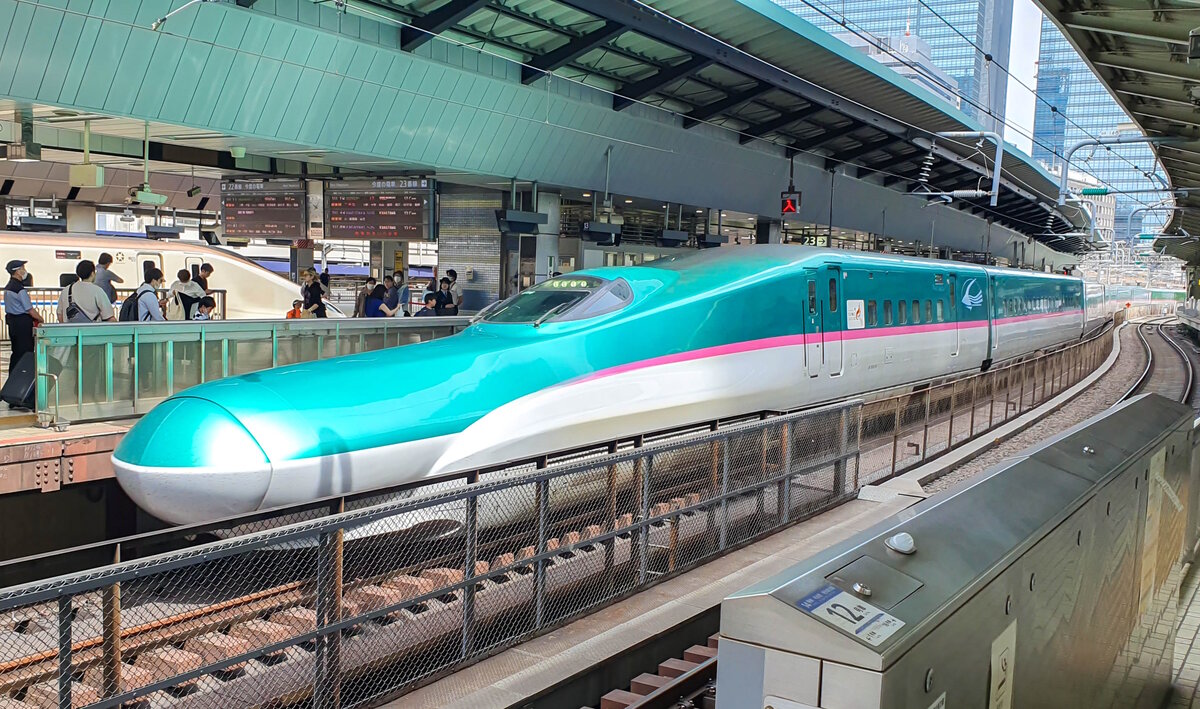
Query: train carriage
pixel 590 356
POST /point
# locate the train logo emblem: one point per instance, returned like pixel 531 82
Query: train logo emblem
pixel 969 299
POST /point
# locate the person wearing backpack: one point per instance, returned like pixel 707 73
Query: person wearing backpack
pixel 83 301
pixel 144 305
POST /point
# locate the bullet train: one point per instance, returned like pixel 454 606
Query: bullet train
pixel 589 356
pixel 251 291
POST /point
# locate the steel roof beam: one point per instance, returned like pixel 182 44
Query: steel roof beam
pixel 575 48
pixel 425 27
pixel 866 148
pixel 1144 65
pixel 1134 28
pixel 829 134
pixel 730 102
pixel 625 96
pixel 1187 117
pixel 1157 93
pixel 758 130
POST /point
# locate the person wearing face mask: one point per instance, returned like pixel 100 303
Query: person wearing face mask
pixel 19 314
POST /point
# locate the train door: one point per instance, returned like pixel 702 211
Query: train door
pixel 146 260
pixel 830 289
pixel 192 264
pixel 952 312
pixel 814 352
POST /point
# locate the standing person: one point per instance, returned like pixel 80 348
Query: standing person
pixel 206 270
pixel 392 299
pixel 375 304
pixel 430 309
pixel 445 299
pixel 183 296
pixel 83 301
pixel 405 295
pixel 19 313
pixel 150 308
pixel 105 278
pixel 314 306
pixel 360 301
pixel 455 289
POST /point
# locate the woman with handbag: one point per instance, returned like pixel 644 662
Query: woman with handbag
pixel 311 290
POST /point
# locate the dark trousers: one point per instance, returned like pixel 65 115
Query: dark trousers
pixel 20 336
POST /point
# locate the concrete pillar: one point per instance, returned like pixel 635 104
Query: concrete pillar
pixel 768 231
pixel 81 218
pixel 298 260
pixel 550 204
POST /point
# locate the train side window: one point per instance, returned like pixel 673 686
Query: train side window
pixel 941 310
pixel 916 312
pixel 952 290
pixel 928 311
pixel 872 314
pixel 887 312
pixel 833 298
pixel 812 297
pixel 902 312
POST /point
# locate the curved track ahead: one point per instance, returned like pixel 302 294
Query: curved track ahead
pixel 1168 369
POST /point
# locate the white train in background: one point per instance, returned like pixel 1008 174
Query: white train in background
pixel 251 291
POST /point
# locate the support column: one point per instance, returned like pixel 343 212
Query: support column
pixel 81 218
pixel 768 231
pixel 550 204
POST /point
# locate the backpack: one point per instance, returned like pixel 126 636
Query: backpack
pixel 129 309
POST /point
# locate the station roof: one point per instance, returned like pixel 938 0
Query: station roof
pixel 753 67
pixel 1138 49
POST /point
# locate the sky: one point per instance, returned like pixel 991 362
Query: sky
pixel 1022 65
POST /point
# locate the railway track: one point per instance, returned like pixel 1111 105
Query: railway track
pixel 1168 370
pixel 688 681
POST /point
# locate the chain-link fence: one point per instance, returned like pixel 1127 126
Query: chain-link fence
pixel 360 604
pixel 345 606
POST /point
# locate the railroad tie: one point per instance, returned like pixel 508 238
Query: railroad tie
pixel 44 695
pixel 167 661
pixel 132 677
pixel 261 632
pixel 214 647
pixel 675 667
pixel 646 683
pixel 619 699
pixel 699 653
pixel 299 619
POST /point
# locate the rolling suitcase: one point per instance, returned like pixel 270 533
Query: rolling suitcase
pixel 18 389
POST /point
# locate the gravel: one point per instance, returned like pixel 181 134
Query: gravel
pixel 1102 394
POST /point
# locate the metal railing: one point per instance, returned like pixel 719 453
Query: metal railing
pixel 361 604
pixel 113 370
pixel 45 302
pixel 905 431
pixel 352 607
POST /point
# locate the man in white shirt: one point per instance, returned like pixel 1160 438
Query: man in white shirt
pixel 88 299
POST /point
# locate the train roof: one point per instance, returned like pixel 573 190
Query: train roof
pixel 731 263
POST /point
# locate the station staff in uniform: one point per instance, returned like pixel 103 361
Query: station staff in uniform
pixel 19 314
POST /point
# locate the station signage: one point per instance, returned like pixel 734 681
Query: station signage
pixel 390 209
pixel 263 209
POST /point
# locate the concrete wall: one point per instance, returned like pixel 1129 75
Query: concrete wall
pixel 468 238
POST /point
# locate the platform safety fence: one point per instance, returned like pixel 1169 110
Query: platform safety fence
pixel 103 371
pixel 360 605
pixel 45 302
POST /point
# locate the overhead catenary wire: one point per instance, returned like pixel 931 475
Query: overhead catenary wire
pixel 871 39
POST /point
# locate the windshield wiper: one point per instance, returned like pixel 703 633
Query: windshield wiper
pixel 551 312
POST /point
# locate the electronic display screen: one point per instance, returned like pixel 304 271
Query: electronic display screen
pixel 379 209
pixel 263 209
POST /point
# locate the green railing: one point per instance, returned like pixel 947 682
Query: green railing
pixel 115 370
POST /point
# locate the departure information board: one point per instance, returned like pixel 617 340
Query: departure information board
pixel 273 208
pixel 379 209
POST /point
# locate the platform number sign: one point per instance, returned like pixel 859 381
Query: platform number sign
pixel 789 203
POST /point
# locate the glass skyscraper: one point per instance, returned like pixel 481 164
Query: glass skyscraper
pixel 985 23
pixel 1066 83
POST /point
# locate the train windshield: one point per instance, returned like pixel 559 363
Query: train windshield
pixel 561 299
